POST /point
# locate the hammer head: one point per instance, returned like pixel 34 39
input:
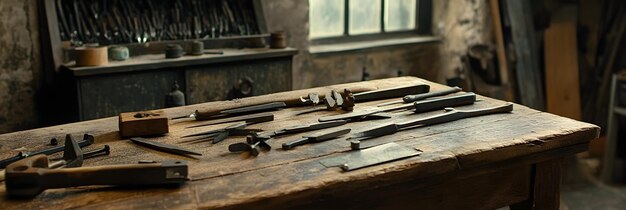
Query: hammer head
pixel 72 154
pixel 22 177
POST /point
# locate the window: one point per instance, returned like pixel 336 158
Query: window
pixel 332 19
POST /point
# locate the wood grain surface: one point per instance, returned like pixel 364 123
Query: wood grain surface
pixel 499 146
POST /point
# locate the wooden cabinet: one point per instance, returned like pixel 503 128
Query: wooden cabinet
pixel 143 82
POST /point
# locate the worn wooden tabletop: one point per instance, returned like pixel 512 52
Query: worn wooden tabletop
pixel 284 179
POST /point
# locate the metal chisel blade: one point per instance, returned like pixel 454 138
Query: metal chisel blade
pixel 163 147
pixel 325 135
pixel 371 156
pixel 377 131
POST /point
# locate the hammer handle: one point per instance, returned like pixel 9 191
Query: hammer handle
pixel 132 174
pixel 31 176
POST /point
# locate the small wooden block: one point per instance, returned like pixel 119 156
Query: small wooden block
pixel 146 123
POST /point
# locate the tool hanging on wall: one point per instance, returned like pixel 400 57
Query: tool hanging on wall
pixel 120 22
pixel 257 140
pixel 418 106
pixel 316 137
pixel 450 115
pixel 31 176
pixel 419 97
pixel 87 140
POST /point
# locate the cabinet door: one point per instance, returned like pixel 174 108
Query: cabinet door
pixel 215 82
pixel 108 95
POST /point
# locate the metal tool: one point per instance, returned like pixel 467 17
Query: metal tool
pixel 333 101
pixel 87 140
pixel 106 150
pixel 396 92
pixel 418 97
pixel 72 155
pixel 255 140
pixel 450 114
pixel 163 147
pixel 219 135
pixel 31 176
pixel 371 156
pixel 253 118
pixel 316 137
pixel 255 137
pixel 418 106
pixel 200 115
pixel 312 99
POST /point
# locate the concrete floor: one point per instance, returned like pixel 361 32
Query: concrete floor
pixel 582 190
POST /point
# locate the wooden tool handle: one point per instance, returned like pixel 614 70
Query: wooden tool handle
pixel 441 103
pixel 132 174
pixel 291 99
pixel 414 98
pixel 30 176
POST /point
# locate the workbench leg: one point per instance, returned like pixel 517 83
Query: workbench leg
pixel 546 186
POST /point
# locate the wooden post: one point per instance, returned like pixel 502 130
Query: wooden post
pixel 545 189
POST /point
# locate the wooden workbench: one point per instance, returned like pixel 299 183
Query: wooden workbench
pixel 479 163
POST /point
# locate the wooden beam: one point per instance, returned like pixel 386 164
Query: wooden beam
pixel 561 64
pixel 503 63
pixel 526 51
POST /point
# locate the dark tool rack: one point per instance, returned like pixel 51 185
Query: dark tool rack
pixel 120 22
pixel 219 23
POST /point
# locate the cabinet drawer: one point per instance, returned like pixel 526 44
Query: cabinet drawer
pixel 108 95
pixel 214 83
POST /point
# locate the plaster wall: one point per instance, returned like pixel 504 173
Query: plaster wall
pixel 459 23
pixel 19 64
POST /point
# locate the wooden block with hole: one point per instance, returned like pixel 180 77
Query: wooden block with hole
pixel 144 123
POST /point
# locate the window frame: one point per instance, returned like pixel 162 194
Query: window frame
pixel 423 20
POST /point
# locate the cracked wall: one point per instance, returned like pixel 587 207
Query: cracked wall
pixel 19 64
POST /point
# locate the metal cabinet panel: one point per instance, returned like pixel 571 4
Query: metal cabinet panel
pixel 108 95
pixel 212 83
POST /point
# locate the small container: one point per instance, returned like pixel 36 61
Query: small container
pixel 91 56
pixel 173 51
pixel 277 40
pixel 119 53
pixel 197 48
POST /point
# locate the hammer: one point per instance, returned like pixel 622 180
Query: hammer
pixel 30 176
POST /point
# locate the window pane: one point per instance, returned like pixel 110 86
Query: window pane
pixel 400 15
pixel 364 16
pixel 326 18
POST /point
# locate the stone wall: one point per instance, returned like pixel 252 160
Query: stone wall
pixel 19 64
pixel 459 23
